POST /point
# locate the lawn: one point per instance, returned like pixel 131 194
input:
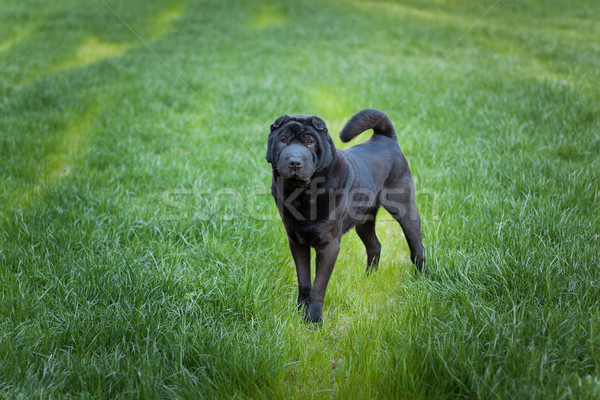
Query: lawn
pixel 141 254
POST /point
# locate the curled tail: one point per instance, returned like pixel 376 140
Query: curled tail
pixel 368 119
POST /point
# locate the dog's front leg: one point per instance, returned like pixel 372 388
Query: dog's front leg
pixel 326 257
pixel 301 255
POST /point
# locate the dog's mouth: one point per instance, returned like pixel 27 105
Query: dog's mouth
pixel 293 176
pixel 299 180
pixel 295 179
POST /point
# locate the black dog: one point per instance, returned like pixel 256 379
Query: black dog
pixel 321 192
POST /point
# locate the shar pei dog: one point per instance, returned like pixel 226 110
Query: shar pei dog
pixel 321 192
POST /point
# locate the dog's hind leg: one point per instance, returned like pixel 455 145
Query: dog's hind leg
pixel 366 233
pixel 400 203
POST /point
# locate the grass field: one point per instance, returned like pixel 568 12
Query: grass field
pixel 140 251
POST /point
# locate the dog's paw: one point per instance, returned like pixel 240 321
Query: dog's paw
pixel 314 314
pixel 313 320
pixel 302 304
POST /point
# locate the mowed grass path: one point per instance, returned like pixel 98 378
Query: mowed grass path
pixel 140 252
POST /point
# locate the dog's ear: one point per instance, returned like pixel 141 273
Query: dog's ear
pixel 326 146
pixel 279 121
pixel 328 152
pixel 269 155
pixel 319 124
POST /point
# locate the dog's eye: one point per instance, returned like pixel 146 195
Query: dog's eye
pixel 282 139
pixel 310 141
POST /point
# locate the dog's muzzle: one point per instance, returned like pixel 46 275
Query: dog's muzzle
pixel 296 162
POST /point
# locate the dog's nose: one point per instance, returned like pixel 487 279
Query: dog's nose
pixel 295 163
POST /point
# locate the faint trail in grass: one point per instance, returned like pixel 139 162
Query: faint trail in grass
pixel 71 142
pixel 20 35
pixel 442 57
pixel 91 51
pixel 167 66
pixel 328 103
pixel 164 21
pixel 268 16
pixel 94 49
pixel 59 161
pixel 428 15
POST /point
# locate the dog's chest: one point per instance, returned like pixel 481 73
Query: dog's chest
pixel 312 234
pixel 305 208
pixel 308 218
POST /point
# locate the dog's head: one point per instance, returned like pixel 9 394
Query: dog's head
pixel 299 146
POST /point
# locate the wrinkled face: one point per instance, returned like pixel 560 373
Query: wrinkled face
pixel 299 146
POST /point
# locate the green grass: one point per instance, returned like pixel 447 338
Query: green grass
pixel 134 259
